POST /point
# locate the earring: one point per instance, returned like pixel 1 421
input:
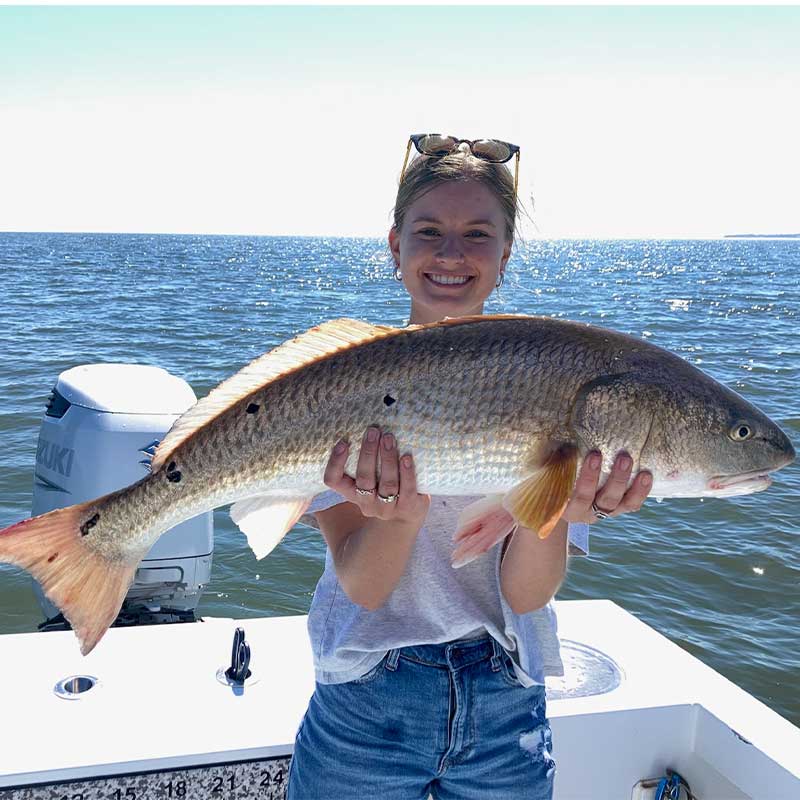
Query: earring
pixel 500 280
pixel 397 275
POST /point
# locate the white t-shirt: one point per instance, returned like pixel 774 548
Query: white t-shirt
pixel 432 603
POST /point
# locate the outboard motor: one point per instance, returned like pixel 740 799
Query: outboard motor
pixel 101 427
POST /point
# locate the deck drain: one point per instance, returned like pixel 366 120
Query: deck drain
pixel 75 686
pixel 587 672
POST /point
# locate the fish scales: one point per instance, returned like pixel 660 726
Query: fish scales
pixel 443 405
pixel 499 406
pixel 441 400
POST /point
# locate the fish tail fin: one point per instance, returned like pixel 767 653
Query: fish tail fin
pixel 86 586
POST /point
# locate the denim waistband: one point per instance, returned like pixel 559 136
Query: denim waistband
pixel 450 655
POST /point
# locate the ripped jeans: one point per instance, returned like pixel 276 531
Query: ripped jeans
pixel 448 720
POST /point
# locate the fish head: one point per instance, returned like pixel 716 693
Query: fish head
pixel 697 437
pixel 706 440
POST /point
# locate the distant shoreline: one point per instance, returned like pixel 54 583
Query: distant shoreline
pixel 708 238
pixel 762 236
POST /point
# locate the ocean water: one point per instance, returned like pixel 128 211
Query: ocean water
pixel 720 577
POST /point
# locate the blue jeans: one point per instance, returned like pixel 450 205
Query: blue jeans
pixel 449 720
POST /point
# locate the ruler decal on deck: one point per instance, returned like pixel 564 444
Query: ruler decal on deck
pixel 260 780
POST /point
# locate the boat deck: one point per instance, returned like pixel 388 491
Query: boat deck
pixel 160 717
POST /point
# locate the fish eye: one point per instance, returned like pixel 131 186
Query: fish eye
pixel 740 432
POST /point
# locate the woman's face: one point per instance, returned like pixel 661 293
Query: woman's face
pixel 451 250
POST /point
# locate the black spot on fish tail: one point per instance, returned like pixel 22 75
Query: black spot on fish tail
pixel 52 558
pixel 88 525
pixel 252 408
pixel 389 400
pixel 171 466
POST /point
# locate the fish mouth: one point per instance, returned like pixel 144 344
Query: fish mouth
pixel 742 483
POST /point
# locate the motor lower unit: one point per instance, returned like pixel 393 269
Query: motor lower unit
pixel 99 431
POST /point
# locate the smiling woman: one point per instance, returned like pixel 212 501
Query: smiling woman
pixel 412 655
pixel 454 224
pixel 452 251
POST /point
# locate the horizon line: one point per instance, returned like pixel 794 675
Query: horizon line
pixel 521 239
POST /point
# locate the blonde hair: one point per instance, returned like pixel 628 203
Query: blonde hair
pixel 427 172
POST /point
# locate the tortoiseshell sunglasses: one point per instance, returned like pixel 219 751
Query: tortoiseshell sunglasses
pixel 436 145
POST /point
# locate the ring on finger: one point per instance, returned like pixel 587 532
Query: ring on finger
pixel 600 513
pixel 365 492
pixel 390 498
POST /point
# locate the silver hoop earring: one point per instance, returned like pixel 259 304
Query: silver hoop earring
pixel 500 280
pixel 397 275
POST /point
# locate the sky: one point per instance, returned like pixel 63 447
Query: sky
pixel 632 121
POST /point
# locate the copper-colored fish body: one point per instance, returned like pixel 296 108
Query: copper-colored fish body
pixel 500 406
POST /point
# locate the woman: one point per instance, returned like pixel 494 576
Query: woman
pixel 429 678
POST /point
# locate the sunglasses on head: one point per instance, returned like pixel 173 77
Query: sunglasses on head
pixel 438 146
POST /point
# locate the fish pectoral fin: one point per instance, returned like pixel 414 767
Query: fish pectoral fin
pixel 480 526
pixel 266 519
pixel 538 502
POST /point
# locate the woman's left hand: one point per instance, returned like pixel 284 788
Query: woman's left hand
pixel 614 498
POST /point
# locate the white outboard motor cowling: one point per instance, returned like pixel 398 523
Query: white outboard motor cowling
pixel 101 426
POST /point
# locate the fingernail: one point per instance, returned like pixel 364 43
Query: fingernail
pixel 372 435
pixel 341 446
pixel 625 462
pixel 647 480
pixel 406 461
pixel 595 460
pixel 388 441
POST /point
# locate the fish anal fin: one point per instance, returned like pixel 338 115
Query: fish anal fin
pixel 480 526
pixel 315 344
pixel 87 587
pixel 539 501
pixel 266 519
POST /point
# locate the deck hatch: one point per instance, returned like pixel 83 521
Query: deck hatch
pixel 587 672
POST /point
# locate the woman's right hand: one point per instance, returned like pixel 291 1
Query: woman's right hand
pixel 390 494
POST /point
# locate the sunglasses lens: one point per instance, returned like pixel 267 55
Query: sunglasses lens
pixel 435 145
pixel 491 150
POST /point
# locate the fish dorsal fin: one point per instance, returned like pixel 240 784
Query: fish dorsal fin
pixel 313 345
pixel 471 318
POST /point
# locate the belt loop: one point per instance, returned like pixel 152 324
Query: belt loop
pixel 391 661
pixel 495 655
